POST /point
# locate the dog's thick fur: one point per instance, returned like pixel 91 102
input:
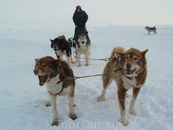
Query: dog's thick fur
pixel 61 47
pixel 83 46
pixel 50 71
pixel 149 29
pixel 133 75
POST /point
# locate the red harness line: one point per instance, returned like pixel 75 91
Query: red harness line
pixel 71 61
pixel 75 57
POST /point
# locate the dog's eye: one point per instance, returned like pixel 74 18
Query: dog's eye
pixel 135 58
pixel 126 57
pixel 44 65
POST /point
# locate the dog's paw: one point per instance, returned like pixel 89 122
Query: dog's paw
pixel 79 65
pixel 48 104
pixel 86 64
pixel 127 95
pixel 124 120
pixel 74 105
pixel 55 122
pixel 73 116
pixel 100 99
pixel 133 112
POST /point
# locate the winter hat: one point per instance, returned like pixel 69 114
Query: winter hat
pixel 78 7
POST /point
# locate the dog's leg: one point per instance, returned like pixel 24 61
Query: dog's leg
pixel 71 58
pixel 106 82
pixel 132 110
pixel 68 58
pixel 121 101
pixel 71 106
pixel 52 98
pixel 87 61
pixel 78 59
pixel 61 57
pixel 57 55
pixel 87 55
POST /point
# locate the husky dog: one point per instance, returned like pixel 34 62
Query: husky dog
pixel 133 75
pixel 149 29
pixel 52 72
pixel 83 46
pixel 61 47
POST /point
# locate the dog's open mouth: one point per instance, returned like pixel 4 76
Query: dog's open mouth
pixel 130 72
pixel 42 79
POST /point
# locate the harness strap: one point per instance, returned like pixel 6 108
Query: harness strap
pixel 62 85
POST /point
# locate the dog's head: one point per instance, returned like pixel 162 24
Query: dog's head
pixel 82 38
pixel 133 62
pixel 58 43
pixel 146 27
pixel 46 67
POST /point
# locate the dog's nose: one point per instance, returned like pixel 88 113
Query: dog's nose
pixel 83 42
pixel 35 71
pixel 128 65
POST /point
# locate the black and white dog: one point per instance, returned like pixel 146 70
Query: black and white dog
pixel 61 47
pixel 149 29
pixel 82 46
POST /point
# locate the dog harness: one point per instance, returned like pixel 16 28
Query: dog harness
pixel 62 86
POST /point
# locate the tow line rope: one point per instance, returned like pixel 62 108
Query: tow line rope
pixel 69 78
pixel 75 57
pixel 104 59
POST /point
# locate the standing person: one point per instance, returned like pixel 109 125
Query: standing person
pixel 80 17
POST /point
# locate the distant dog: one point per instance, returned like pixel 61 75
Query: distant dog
pixel 52 72
pixel 149 29
pixel 82 46
pixel 61 47
pixel 133 75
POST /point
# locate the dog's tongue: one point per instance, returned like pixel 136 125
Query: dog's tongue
pixel 42 79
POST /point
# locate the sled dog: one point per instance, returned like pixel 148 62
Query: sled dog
pixel 52 72
pixel 82 46
pixel 61 47
pixel 149 29
pixel 133 75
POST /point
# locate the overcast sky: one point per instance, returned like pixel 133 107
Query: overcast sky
pixel 41 14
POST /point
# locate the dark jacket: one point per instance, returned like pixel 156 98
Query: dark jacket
pixel 80 18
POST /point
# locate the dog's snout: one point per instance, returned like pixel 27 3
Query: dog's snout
pixel 83 42
pixel 128 65
pixel 35 71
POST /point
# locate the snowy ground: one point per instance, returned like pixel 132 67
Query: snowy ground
pixel 22 100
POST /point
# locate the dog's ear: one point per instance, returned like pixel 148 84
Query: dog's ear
pixel 37 59
pixel 51 40
pixel 87 32
pixel 144 52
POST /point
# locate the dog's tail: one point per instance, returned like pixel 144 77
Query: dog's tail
pixel 117 49
pixel 62 38
pixel 114 55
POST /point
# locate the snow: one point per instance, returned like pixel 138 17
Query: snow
pixel 22 100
